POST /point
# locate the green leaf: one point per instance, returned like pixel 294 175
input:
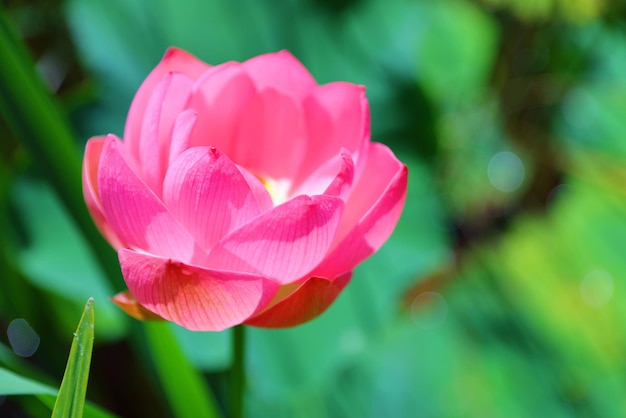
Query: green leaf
pixel 14 384
pixel 67 268
pixel 71 399
pixel 185 388
pixel 91 411
pixel 456 51
pixel 592 112
pixel 34 118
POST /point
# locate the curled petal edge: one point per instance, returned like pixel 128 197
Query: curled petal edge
pixel 91 162
pixel 127 302
pixel 371 231
pixel 305 303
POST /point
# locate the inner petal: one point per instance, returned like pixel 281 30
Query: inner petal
pixel 270 138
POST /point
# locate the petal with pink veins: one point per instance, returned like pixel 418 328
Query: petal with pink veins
pixel 220 96
pixel 333 178
pixel 371 214
pixel 183 125
pixel 127 302
pixel 270 136
pixel 91 162
pixel 282 71
pixel 308 301
pixel 283 243
pixel 207 193
pixel 135 213
pixel 174 60
pixel 193 297
pixel 166 103
pixel 263 198
pixel 336 117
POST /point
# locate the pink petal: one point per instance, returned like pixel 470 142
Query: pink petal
pixel 308 301
pixel 282 71
pixel 333 178
pixel 193 297
pixel 91 162
pixel 135 213
pixel 261 194
pixel 270 136
pixel 180 136
pixel 127 302
pixel 337 116
pixel 206 192
pixel 284 243
pixel 166 103
pixel 174 60
pixel 371 214
pixel 220 96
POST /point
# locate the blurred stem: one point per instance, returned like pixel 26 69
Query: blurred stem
pixel 186 389
pixel 31 114
pixel 238 372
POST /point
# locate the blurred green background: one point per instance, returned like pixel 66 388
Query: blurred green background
pixel 500 293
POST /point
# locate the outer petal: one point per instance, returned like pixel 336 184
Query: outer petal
pixel 270 137
pixel 282 71
pixel 206 192
pixel 134 212
pixel 284 243
pixel 127 302
pixel 174 60
pixel 371 214
pixel 91 161
pixel 337 116
pixel 220 96
pixel 308 301
pixel 193 297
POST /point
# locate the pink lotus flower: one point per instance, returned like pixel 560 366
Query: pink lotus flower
pixel 242 192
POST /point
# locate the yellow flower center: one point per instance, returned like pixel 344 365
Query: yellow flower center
pixel 277 188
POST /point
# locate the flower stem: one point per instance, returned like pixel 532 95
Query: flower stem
pixel 185 387
pixel 237 372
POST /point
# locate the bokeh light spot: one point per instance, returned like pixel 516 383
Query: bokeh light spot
pixel 506 171
pixel 23 339
pixel 596 288
pixel 556 193
pixel 429 310
pixel 352 341
pixel 577 106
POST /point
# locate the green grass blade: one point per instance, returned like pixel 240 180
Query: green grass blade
pixel 185 388
pixel 71 399
pixel 91 410
pixel 13 384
